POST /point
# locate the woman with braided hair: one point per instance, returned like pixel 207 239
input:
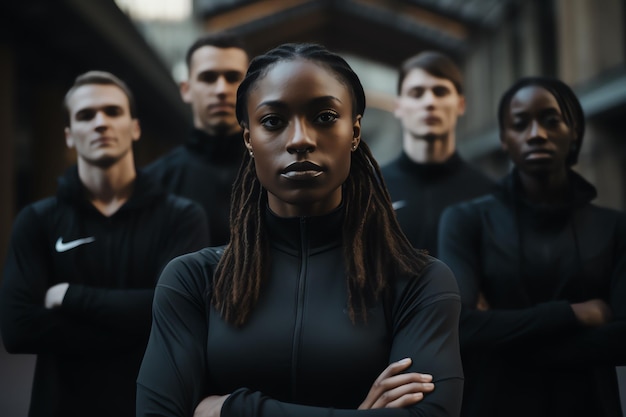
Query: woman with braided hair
pixel 541 270
pixel 319 305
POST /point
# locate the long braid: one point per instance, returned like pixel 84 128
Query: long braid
pixel 375 247
pixel 238 276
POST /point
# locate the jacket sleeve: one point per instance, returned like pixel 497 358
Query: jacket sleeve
pixel 173 375
pixel 26 325
pixel 172 379
pixel 596 346
pixel 128 311
pixel 460 231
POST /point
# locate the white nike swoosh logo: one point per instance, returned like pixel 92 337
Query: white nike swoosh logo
pixel 63 247
pixel 398 204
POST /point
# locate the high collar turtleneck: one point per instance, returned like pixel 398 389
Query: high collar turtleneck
pixel 217 149
pixel 434 169
pixel 314 231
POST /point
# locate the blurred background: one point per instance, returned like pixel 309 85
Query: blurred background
pixel 44 44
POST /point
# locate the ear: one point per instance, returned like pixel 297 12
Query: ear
pixel 246 139
pixel 503 144
pixel 184 91
pixel 397 109
pixel 462 106
pixel 356 132
pixel 69 141
pixel 136 130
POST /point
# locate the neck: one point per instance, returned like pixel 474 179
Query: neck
pixel 108 188
pixel 220 131
pixel 547 189
pixel 429 149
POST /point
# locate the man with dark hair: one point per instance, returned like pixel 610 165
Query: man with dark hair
pixel 81 267
pixel 205 166
pixel 429 174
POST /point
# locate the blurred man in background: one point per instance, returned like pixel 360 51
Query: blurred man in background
pixel 429 174
pixel 205 166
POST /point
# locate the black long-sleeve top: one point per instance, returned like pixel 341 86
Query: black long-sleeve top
pixel 527 355
pixel 89 349
pixel 299 354
pixel 420 193
pixel 203 169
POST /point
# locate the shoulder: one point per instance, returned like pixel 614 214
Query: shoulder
pixel 182 204
pixel 191 273
pixel 471 208
pixel 391 168
pixel 37 211
pixel 435 282
pixel 439 278
pixel 170 159
pixel 599 217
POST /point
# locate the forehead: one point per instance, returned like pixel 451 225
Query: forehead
pixel 97 96
pixel 299 78
pixel 533 97
pixel 211 58
pixel 417 77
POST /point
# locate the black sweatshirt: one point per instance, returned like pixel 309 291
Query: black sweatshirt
pixel 89 350
pixel 203 170
pixel 299 354
pixel 528 355
pixel 420 193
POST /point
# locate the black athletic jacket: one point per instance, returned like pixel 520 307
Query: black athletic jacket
pixel 527 355
pixel 420 193
pixel 203 170
pixel 299 354
pixel 89 350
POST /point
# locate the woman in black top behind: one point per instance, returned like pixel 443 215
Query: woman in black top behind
pixel 319 305
pixel 542 271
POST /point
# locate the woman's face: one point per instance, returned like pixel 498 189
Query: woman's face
pixel 301 132
pixel 535 134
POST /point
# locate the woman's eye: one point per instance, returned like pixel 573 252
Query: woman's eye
pixel 553 121
pixel 271 122
pixel 327 117
pixel 518 125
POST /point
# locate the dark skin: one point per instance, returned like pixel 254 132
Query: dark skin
pixel 299 111
pixel 538 140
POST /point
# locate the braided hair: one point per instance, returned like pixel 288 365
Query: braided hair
pixel 569 104
pixel 375 248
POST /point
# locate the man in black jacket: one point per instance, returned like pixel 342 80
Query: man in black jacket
pixel 82 266
pixel 205 166
pixel 429 174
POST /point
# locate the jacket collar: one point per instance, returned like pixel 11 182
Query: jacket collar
pixel 71 190
pixel 219 149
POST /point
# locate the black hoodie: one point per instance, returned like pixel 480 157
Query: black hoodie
pixel 528 355
pixel 203 170
pixel 89 349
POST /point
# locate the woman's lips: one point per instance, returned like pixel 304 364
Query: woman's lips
pixel 302 170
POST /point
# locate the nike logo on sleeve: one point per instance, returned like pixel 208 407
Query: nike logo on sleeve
pixel 64 247
pixel 398 204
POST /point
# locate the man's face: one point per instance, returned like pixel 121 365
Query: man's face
pixel 428 106
pixel 214 75
pixel 101 128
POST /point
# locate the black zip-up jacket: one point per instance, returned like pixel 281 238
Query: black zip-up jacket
pixel 89 349
pixel 204 170
pixel 420 193
pixel 299 354
pixel 528 355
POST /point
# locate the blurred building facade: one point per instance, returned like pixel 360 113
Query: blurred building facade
pixel 44 44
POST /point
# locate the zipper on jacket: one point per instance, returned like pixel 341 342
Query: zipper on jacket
pixel 304 255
